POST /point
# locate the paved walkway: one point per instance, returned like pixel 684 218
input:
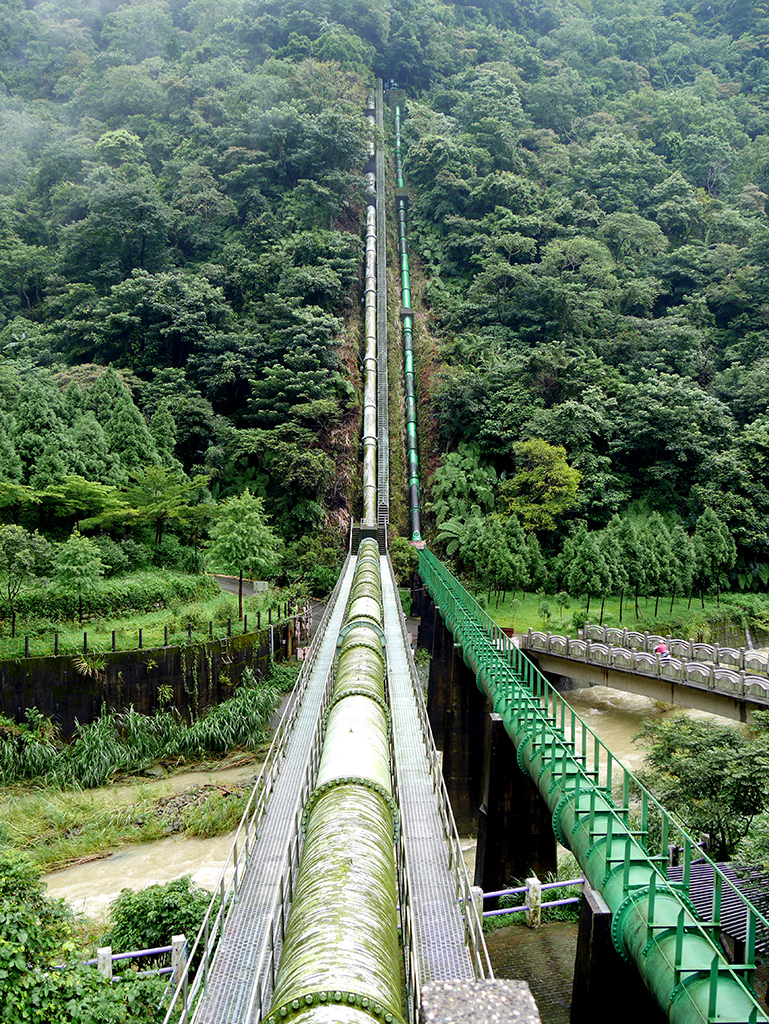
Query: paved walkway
pixel 543 957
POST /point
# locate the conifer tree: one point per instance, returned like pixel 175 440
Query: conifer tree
pixel 242 540
pixel 163 431
pixel 129 436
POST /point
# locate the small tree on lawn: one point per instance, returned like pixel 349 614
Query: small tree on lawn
pixel 242 540
pixel 611 552
pixel 21 554
pixel 714 552
pixel 682 550
pixel 588 573
pixel 79 567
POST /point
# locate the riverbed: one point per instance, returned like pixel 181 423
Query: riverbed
pixel 89 888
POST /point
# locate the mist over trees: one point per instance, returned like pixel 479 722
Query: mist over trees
pixel 181 192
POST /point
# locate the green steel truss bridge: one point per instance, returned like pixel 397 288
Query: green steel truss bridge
pixel 618 832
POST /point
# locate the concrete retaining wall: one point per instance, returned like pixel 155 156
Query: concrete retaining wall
pixel 70 689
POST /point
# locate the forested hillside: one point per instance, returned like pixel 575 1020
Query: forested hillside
pixel 589 200
pixel 181 194
pixel 180 202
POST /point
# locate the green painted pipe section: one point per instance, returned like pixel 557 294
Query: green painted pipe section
pixel 415 501
pixel 341 961
pixel 654 923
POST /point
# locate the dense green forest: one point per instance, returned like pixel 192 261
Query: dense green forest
pixel 181 193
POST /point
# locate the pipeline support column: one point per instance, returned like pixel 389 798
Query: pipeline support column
pixel 603 981
pixel 515 832
pixel 441 647
pixel 426 615
pixel 463 744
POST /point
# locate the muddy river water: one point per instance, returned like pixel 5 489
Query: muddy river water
pixel 90 887
pixel 616 717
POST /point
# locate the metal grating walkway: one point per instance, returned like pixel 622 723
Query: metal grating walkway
pixel 439 930
pixel 231 977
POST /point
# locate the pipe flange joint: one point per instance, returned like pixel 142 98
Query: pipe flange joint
pixel 364 622
pixel 337 997
pixel 560 807
pixel 520 755
pixel 636 896
pixel 378 652
pixel 353 780
pixel 360 692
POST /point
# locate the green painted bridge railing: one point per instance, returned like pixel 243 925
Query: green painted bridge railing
pixel 616 829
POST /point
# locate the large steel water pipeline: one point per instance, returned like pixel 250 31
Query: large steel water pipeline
pixel 654 923
pixel 407 318
pixel 341 960
pixel 369 355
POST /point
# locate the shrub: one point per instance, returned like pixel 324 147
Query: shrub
pixel 129 741
pixel 240 721
pixel 320 581
pixel 152 916
pixel 172 554
pixel 113 555
pixel 283 675
pixel 37 933
pixel 405 559
pixel 139 591
pixel 138 555
pixel 27 751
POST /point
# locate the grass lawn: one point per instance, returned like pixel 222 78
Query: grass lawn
pixel 184 622
pixel 532 611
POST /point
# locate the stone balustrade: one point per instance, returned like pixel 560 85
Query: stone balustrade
pixel 727 670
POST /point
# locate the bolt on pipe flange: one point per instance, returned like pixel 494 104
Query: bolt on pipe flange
pixel 337 997
pixel 629 902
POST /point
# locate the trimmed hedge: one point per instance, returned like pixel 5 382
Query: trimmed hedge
pixel 135 592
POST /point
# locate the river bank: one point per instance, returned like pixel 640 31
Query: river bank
pixel 90 886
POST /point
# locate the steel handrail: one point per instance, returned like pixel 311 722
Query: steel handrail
pixel 463 886
pixel 248 828
pixel 579 777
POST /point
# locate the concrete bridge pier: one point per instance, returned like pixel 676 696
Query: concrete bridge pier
pixel 456 710
pixel 463 744
pixel 603 981
pixel 515 830
pixel 418 595
pixel 426 621
pixel 439 681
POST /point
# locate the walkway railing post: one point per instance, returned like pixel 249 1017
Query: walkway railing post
pixel 533 902
pixel 179 973
pixel 104 962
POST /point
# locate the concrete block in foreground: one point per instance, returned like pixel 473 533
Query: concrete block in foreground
pixel 478 1002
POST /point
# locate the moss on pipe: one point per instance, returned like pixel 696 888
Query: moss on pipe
pixel 356 743
pixel 341 960
pixel 342 933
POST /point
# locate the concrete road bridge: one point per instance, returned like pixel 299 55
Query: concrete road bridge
pixel 726 681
